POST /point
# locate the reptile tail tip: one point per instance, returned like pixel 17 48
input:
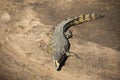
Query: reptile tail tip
pixel 100 16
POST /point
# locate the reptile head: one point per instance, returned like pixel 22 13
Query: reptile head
pixel 59 60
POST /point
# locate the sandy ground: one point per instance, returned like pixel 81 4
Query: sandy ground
pixel 24 25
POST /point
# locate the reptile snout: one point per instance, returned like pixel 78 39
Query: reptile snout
pixel 57 65
pixel 59 60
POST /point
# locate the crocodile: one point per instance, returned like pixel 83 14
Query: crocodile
pixel 60 38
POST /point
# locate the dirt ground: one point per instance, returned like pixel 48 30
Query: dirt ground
pixel 24 25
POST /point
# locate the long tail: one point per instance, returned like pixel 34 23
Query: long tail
pixel 81 19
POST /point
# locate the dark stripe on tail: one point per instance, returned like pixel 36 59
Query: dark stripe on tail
pixel 81 19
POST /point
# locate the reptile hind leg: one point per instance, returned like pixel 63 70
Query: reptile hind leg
pixel 68 34
pixel 50 32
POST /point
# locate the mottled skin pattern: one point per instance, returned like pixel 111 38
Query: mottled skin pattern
pixel 61 44
pixel 59 41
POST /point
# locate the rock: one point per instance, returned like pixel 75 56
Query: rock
pixel 5 17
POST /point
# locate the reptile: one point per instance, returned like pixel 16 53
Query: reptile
pixel 59 41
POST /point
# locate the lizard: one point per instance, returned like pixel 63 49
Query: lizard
pixel 59 41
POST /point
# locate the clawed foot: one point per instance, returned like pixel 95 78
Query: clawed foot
pixel 73 54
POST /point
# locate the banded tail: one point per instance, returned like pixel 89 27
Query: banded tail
pixel 82 19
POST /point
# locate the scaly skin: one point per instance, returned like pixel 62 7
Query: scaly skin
pixel 59 41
